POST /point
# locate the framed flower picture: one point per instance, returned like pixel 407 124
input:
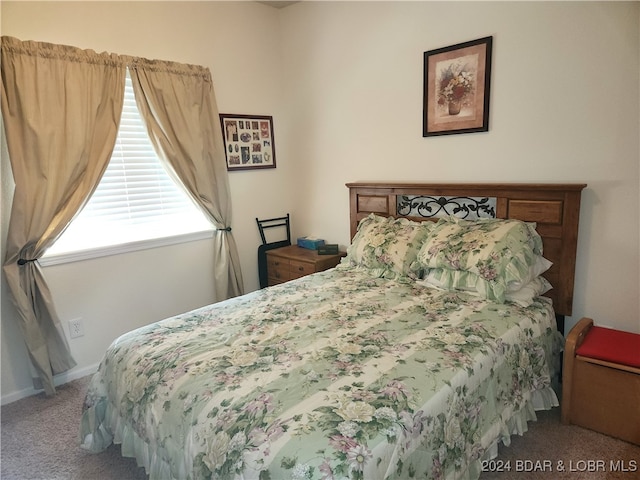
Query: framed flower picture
pixel 248 141
pixel 456 88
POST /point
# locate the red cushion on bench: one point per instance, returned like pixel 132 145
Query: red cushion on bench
pixel 611 345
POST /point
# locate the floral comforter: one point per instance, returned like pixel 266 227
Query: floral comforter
pixel 336 375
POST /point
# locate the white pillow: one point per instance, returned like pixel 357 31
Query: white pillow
pixel 540 266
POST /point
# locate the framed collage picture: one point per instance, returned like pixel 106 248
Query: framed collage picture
pixel 248 141
pixel 456 88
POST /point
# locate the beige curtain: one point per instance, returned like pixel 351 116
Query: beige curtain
pixel 61 108
pixel 178 106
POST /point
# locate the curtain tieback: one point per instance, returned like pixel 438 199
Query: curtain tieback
pixel 226 229
pixel 24 261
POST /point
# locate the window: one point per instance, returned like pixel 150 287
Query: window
pixel 136 205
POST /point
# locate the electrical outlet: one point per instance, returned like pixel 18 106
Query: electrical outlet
pixel 76 328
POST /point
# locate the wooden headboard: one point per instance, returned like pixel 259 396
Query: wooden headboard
pixel 555 208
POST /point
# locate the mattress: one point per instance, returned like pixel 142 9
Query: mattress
pixel 334 375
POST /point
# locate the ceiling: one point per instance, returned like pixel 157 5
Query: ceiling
pixel 278 4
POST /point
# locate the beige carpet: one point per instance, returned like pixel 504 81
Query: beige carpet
pixel 40 442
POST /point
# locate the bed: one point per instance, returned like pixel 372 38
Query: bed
pixel 433 341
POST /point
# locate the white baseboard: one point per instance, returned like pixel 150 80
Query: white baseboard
pixel 58 380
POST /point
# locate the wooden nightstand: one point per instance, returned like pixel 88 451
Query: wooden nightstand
pixel 288 263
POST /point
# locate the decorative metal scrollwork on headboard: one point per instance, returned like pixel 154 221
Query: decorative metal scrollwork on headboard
pixel 470 208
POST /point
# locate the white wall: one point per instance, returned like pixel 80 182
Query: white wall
pixel 344 83
pixel 564 109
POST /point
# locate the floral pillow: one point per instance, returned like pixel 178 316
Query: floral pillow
pixel 387 247
pixel 443 279
pixel 500 253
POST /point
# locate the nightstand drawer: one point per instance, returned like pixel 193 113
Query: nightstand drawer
pixel 289 263
pixel 278 270
pixel 299 269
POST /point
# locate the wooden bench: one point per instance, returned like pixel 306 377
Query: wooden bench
pixel 601 381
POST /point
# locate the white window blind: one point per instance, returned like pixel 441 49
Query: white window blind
pixel 136 200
